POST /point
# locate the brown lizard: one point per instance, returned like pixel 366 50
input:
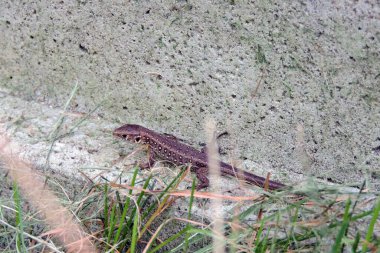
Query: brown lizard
pixel 171 149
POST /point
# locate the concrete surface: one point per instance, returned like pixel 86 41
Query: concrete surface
pixel 296 85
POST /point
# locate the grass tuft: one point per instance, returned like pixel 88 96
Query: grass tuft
pixel 134 218
pixel 20 245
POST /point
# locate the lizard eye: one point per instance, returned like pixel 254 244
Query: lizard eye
pixel 137 139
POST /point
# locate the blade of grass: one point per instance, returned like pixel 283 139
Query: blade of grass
pixel 164 192
pixel 125 209
pixel 263 245
pixel 193 239
pixel 375 215
pixel 118 201
pixel 5 231
pixel 77 124
pixel 20 244
pixel 165 203
pixel 35 238
pixel 356 243
pixel 189 214
pixel 258 235
pixel 61 118
pixel 273 246
pixel 54 133
pixel 337 247
pixel 112 223
pixel 361 215
pixel 135 209
pixel 205 232
pixel 235 228
pixel 357 198
pixel 294 219
pixel 142 193
pixel 134 233
pixel 170 239
pixel 320 233
pixel 105 213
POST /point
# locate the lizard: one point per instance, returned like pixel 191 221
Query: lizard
pixel 173 150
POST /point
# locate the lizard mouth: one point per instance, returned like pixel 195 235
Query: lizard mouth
pixel 123 136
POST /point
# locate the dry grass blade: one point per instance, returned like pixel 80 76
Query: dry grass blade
pixel 33 188
pixel 214 170
pixel 187 193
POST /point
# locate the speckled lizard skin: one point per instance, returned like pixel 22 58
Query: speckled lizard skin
pixel 171 149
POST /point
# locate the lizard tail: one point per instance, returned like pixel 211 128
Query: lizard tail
pixel 249 177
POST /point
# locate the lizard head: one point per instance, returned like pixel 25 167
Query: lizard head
pixel 129 132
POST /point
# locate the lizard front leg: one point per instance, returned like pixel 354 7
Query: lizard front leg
pixel 151 160
pixel 201 174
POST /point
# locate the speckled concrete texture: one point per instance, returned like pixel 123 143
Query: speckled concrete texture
pixel 296 84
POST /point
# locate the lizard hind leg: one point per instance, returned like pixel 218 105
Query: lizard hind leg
pixel 201 174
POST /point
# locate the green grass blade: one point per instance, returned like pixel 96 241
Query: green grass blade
pixel 112 223
pixel 375 216
pixel 105 213
pixel 127 229
pixel 264 244
pixel 337 247
pixel 356 243
pixel 195 238
pixel 162 204
pixel 142 193
pixel 162 194
pixel 191 199
pixel 205 232
pixel 293 224
pixel 258 235
pixel 361 215
pixel 273 246
pixel 189 214
pixel 169 240
pixel 125 209
pixel 20 243
pixel 134 234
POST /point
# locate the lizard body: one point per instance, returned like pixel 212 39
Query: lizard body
pixel 171 149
